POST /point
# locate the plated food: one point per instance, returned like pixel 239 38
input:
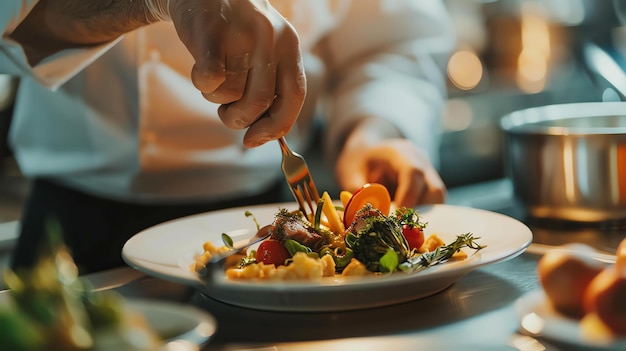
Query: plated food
pixel 167 251
pixel 51 308
pixel 362 237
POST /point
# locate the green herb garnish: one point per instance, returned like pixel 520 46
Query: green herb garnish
pixel 249 214
pixel 441 254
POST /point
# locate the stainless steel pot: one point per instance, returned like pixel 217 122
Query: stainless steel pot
pixel 568 162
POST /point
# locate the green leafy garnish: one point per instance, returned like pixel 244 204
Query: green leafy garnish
pixel 389 261
pixel 293 246
pixel 228 241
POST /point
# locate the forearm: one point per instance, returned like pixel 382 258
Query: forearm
pixel 391 106
pixel 54 25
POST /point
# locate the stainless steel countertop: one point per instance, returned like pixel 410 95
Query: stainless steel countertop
pixel 476 312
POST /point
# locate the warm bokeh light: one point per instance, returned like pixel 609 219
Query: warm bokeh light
pixel 535 29
pixel 465 69
pixel 532 65
pixel 533 323
pixel 534 58
pixel 532 71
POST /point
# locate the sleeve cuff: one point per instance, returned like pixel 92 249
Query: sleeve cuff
pixel 414 108
pixel 56 69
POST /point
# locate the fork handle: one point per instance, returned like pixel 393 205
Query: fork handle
pixel 283 146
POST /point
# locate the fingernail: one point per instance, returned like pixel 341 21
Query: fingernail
pixel 261 139
pixel 241 123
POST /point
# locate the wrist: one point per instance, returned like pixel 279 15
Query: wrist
pixel 371 131
pixel 52 26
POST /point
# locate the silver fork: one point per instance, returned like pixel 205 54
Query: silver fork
pixel 304 191
pixel 300 180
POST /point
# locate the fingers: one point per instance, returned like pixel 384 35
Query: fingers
pixel 411 186
pixel 247 93
pixel 416 186
pixel 436 191
pixel 404 169
pixel 237 64
pixel 248 60
pixel 209 70
pixel 285 107
pixel 257 95
pixel 273 96
pixel 418 180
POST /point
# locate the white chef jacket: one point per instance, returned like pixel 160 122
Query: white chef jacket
pixel 122 120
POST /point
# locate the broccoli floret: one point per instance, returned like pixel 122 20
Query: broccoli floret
pixel 374 236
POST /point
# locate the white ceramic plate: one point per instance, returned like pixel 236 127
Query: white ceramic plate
pixel 181 327
pixel 538 317
pixel 167 250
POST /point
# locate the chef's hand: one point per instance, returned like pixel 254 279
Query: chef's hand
pixel 248 59
pixel 396 163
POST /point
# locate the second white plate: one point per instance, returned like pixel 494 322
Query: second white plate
pixel 538 317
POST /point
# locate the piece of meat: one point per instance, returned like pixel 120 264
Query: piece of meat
pixel 289 226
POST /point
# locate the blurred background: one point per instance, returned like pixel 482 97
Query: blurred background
pixel 514 54
pixel 511 54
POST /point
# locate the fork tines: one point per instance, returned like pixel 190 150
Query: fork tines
pixel 299 179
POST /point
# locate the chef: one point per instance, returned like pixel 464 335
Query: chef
pixel 131 113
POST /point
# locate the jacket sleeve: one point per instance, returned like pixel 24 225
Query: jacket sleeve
pixel 54 70
pixel 387 60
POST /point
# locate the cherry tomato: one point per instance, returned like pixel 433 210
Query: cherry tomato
pixel 373 193
pixel 414 236
pixel 272 252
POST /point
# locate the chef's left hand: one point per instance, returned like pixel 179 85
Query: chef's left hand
pixel 397 163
